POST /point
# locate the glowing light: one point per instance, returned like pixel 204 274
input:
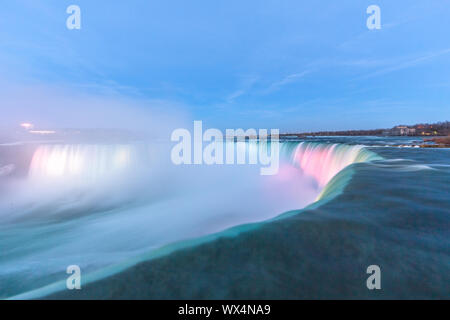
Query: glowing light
pixel 87 163
pixel 27 125
pixel 323 162
pixel 42 131
pixel 122 157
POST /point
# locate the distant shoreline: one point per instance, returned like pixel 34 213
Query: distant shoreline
pixel 439 141
pixel 439 129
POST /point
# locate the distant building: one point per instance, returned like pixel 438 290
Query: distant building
pixel 403 131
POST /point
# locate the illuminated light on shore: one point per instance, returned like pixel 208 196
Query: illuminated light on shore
pixel 42 132
pixel 27 125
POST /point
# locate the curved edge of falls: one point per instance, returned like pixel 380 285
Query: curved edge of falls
pixel 330 164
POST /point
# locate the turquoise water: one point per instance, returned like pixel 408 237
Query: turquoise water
pixel 389 207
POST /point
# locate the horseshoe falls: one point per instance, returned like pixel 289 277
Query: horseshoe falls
pixel 124 211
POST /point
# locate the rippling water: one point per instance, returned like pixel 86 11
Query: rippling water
pixel 120 212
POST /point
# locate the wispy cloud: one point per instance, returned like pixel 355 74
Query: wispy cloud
pixel 246 84
pixel 358 39
pixel 407 63
pixel 286 80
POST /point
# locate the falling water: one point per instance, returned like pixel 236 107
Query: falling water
pixel 96 205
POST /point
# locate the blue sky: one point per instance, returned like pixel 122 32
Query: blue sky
pixel 292 65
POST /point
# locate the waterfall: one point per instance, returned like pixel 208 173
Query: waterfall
pixel 103 206
pixel 6 170
pixel 324 161
pixel 84 163
pixel 93 163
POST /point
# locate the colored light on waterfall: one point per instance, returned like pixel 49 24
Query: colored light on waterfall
pixel 323 161
pixel 87 162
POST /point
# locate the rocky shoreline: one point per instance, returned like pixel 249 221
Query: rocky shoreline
pixel 438 142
